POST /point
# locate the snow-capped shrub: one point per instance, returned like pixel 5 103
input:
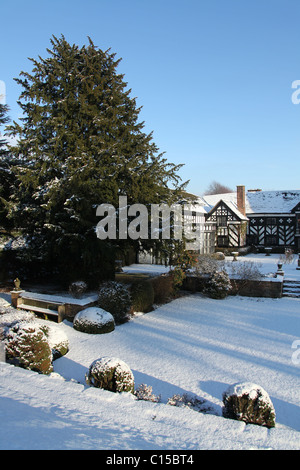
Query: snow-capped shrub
pixel 78 288
pixel 250 403
pixel 246 270
pixel 11 316
pixel 57 339
pixel 218 286
pixel 94 320
pixel 115 298
pixel 110 374
pixel 27 346
pixel 208 264
pixel 218 255
pixel 144 392
pixel 187 400
pixel 242 273
pixel 142 295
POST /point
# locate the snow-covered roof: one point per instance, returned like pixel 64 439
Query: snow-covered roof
pixel 230 200
pixel 198 205
pixel 270 202
pixel 235 210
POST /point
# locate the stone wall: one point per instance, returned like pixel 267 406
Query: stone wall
pixel 261 288
pixel 266 288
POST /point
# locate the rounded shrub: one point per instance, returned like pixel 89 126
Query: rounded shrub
pixel 94 320
pixel 78 288
pixel 142 295
pixel 218 286
pixel 114 297
pixel 27 346
pixel 250 403
pixel 218 255
pixel 111 374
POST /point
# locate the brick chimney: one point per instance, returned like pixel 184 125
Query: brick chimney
pixel 241 199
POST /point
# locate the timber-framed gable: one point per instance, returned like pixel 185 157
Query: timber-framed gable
pixel 230 225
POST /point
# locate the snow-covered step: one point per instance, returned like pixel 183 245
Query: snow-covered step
pixel 41 304
pixel 291 282
pixel 291 288
pixel 290 294
pixel 34 308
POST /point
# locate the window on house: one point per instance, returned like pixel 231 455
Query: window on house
pixel 223 241
pixel 271 220
pixel 221 220
pixel 271 240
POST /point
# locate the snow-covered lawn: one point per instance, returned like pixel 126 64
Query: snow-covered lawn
pixel 191 345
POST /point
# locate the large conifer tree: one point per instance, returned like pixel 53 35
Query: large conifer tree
pixel 81 145
pixel 6 174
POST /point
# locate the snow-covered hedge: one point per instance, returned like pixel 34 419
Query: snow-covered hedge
pixel 15 322
pixel 110 374
pixel 114 297
pixel 250 403
pixel 94 320
pixel 142 295
pixel 27 346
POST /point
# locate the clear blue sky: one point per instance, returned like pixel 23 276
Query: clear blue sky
pixel 214 77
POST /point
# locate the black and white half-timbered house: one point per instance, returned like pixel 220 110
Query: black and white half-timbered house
pixel 271 218
pixel 227 211
pixel 244 220
pixel 274 219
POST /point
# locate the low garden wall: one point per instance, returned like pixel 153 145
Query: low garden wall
pixel 257 288
pixel 271 287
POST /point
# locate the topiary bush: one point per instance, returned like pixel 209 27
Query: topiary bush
pixel 94 320
pixel 111 374
pixel 27 346
pixel 142 295
pixel 115 298
pixel 218 286
pixel 249 403
pixel 78 288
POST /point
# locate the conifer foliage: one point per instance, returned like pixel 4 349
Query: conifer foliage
pixel 6 175
pixel 81 145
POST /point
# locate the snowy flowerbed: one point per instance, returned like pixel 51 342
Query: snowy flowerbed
pixel 193 346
